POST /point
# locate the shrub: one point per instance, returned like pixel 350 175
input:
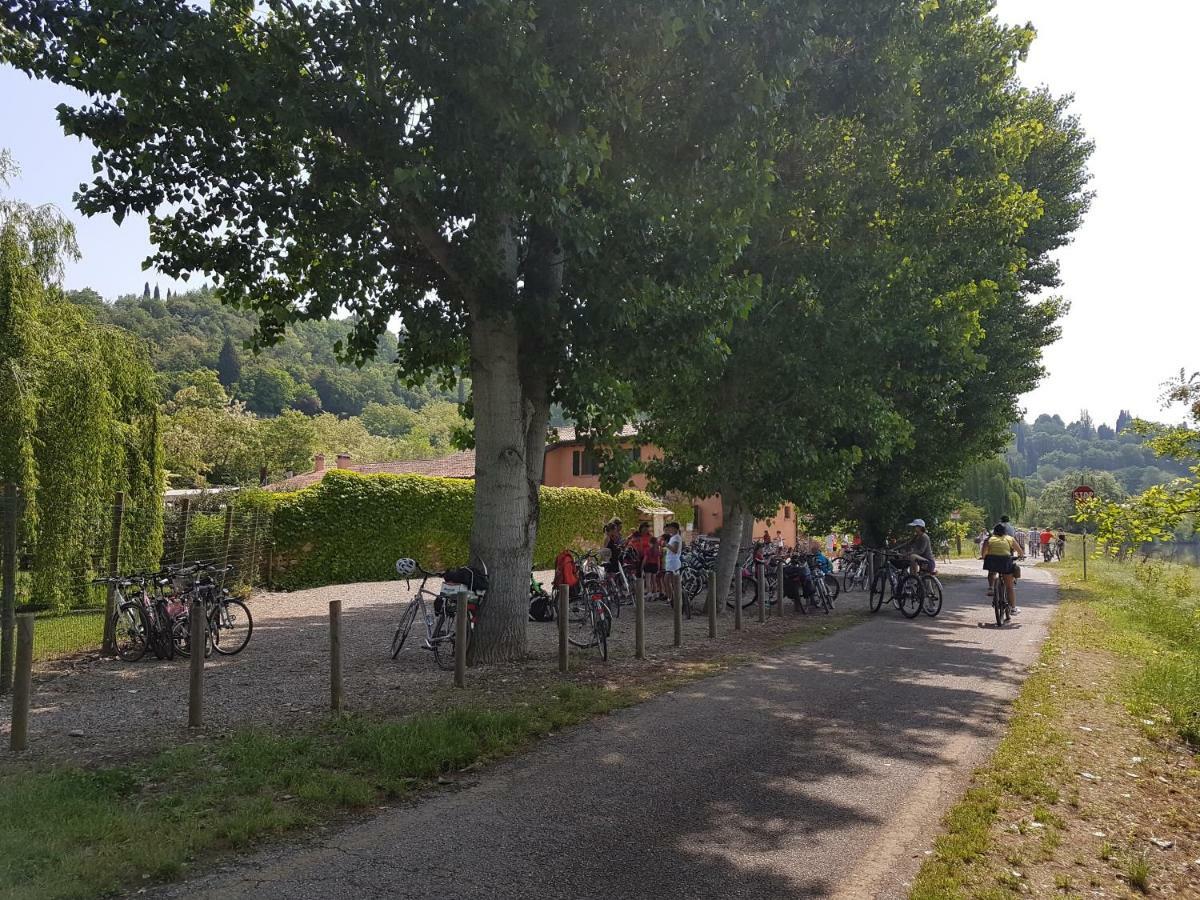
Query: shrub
pixel 353 527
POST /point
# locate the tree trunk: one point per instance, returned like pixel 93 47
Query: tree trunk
pixel 732 525
pixel 511 374
pixel 510 433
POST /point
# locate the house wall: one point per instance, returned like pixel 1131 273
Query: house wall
pixel 709 518
pixel 559 468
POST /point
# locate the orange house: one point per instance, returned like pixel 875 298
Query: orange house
pixel 569 463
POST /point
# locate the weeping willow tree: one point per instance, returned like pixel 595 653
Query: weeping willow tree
pixel 78 411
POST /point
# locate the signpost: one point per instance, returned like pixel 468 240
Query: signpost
pixel 1082 493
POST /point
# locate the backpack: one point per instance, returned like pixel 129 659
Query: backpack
pixel 565 571
pixel 541 607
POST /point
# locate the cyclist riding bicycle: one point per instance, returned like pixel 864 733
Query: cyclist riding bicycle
pixel 917 551
pixel 1000 555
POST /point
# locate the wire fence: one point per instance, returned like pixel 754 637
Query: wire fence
pixel 121 539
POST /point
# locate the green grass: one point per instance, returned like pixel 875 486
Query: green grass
pixel 68 833
pixel 1149 615
pixel 71 632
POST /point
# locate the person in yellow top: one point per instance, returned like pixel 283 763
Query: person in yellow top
pixel 1000 554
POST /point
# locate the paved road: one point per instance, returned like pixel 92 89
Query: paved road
pixel 820 772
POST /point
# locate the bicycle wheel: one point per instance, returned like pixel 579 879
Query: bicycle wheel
pixel 603 628
pixel 406 623
pixel 821 597
pixel 1000 601
pixel 832 588
pixel 131 632
pixel 911 596
pixel 443 641
pixel 181 637
pixel 581 626
pixel 231 627
pixel 933 595
pixel 879 589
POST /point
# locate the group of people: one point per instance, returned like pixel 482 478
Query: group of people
pixel 1030 540
pixel 656 559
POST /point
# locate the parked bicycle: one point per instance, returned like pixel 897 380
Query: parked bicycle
pixel 589 616
pixel 464 585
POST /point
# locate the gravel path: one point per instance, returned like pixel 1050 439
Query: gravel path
pixel 820 771
pixel 83 707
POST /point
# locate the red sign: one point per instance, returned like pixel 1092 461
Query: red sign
pixel 1083 492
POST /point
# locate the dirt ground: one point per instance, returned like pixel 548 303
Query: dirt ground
pixel 90 710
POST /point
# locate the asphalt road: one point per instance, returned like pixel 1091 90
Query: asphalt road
pixel 820 772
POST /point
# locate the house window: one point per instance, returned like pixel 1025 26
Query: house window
pixel 635 453
pixel 584 462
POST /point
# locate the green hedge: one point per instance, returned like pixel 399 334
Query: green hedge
pixel 353 527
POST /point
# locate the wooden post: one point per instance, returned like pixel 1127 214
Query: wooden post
pixel 712 604
pixel 227 539
pixel 22 683
pixel 462 618
pixel 109 645
pixel 335 655
pixel 677 608
pixel 252 569
pixel 185 516
pixel 779 591
pixel 564 602
pixel 8 585
pixel 198 625
pixel 639 618
pixel 760 575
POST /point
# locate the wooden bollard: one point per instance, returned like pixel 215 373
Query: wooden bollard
pixel 335 656
pixel 677 608
pixel 779 595
pixel 461 620
pixel 22 683
pixel 711 605
pixel 761 580
pixel 639 618
pixel 564 603
pixel 198 625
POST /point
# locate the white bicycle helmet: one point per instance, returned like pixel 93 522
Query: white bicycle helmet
pixel 405 567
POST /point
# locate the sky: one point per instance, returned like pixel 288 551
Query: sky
pixel 1135 314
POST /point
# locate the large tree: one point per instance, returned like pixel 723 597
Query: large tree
pixel 504 177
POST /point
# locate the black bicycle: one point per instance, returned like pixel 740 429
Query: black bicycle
pixel 899 586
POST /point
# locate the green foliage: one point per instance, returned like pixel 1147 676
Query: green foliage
pixel 78 413
pixel 353 527
pixel 1056 505
pixel 990 485
pixel 1163 511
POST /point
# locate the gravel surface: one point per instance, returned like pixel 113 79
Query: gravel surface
pixel 819 771
pixel 92 710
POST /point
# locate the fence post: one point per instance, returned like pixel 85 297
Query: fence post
pixel 23 683
pixel 252 569
pixel 462 617
pixel 639 618
pixel 109 645
pixel 8 585
pixel 335 655
pixel 711 605
pixel 779 591
pixel 228 537
pixel 564 602
pixel 760 575
pixel 185 516
pixel 677 608
pixel 198 624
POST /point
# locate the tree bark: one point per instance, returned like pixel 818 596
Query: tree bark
pixel 511 374
pixel 732 524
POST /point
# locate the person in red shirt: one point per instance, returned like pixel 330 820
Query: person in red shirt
pixel 652 566
pixel 1045 538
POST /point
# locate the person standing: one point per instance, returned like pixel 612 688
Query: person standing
pixel 672 556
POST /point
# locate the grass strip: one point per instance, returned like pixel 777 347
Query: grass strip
pixel 1149 616
pixel 70 833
